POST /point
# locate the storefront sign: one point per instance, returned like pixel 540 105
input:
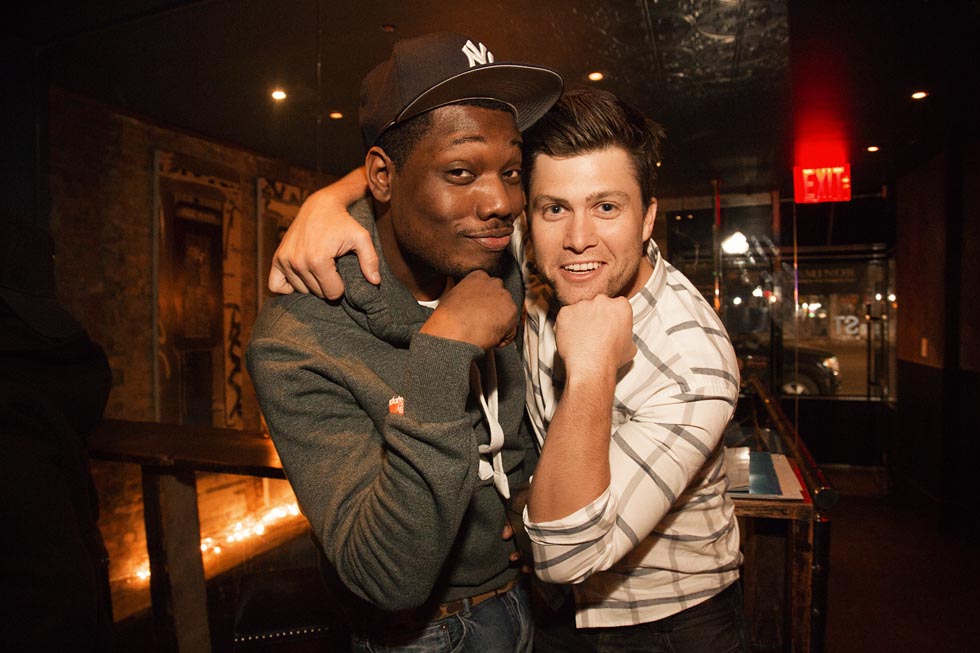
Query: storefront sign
pixel 831 278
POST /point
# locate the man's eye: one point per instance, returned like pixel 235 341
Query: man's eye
pixel 553 209
pixel 460 174
pixel 607 209
pixel 513 175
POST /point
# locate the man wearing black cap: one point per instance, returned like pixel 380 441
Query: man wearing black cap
pixel 54 384
pixel 398 412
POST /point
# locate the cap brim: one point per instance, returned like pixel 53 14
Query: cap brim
pixel 44 315
pixel 530 90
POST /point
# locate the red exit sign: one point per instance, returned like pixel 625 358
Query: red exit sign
pixel 827 184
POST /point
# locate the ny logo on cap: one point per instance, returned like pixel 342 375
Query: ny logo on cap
pixel 478 56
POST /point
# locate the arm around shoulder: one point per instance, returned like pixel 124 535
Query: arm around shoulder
pixel 323 230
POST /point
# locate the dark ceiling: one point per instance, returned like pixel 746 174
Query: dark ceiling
pixel 723 76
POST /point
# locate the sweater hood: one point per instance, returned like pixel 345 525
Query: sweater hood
pixel 389 310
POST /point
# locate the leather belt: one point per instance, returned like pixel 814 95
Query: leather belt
pixel 462 605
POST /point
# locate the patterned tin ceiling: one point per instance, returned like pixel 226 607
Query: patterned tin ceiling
pixel 716 73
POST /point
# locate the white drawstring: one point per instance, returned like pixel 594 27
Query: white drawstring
pixel 488 401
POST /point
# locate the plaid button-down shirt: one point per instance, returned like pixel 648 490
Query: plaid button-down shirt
pixel 663 537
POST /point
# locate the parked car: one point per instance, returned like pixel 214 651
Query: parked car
pixel 818 373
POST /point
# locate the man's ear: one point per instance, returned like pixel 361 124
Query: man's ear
pixel 378 168
pixel 648 219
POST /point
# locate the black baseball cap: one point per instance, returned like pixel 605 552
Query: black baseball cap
pixel 27 277
pixel 442 68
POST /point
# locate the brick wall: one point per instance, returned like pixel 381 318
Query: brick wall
pixel 102 205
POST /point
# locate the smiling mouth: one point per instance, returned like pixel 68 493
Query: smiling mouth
pixel 494 241
pixel 494 237
pixel 496 232
pixel 582 267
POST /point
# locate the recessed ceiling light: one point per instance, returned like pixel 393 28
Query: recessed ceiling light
pixel 595 76
pixel 336 115
pixel 919 95
pixel 279 95
pixel 873 148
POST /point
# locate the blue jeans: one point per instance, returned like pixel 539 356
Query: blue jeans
pixel 498 625
pixel 715 626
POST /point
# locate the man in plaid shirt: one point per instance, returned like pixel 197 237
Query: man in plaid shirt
pixel 632 382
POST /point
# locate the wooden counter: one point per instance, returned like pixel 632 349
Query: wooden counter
pixel 785 543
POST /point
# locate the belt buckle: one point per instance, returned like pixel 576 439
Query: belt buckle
pixel 463 605
pixel 453 607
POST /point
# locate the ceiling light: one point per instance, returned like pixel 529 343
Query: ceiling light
pixel 919 95
pixel 873 148
pixel 596 76
pixel 279 95
pixel 335 115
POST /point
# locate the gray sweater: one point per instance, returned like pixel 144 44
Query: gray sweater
pixel 395 500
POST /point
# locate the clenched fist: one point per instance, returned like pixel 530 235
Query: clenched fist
pixel 477 310
pixel 595 336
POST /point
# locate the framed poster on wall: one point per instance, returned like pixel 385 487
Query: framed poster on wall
pixel 197 266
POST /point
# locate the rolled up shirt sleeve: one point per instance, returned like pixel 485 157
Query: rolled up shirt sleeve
pixel 654 458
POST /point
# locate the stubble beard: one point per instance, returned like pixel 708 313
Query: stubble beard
pixel 612 288
pixel 456 272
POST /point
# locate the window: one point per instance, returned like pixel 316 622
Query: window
pixel 811 320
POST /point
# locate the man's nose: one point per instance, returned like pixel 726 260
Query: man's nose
pixel 579 233
pixel 497 199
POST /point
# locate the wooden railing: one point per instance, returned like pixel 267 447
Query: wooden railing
pixel 170 456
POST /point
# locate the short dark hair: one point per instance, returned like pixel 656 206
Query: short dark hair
pixel 400 140
pixel 587 120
